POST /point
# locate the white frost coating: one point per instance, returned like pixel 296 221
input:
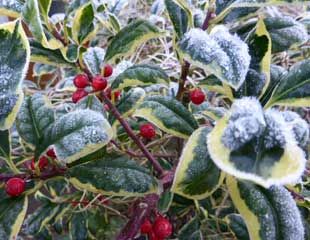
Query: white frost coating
pixel 121 67
pixel 299 126
pixel 94 59
pixel 238 53
pixel 246 122
pixel 289 217
pixel 11 4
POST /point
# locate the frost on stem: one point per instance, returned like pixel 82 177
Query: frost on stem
pixel 245 123
pixel 298 125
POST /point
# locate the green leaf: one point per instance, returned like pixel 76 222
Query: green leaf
pixel 268 213
pixel 237 226
pixel 258 146
pixel 178 18
pixel 14 60
pixel 78 226
pixel 113 175
pixel 70 53
pixel 168 114
pixel 11 8
pixel 285 32
pixel 294 87
pixel 213 84
pixel 83 28
pixel 191 230
pixel 196 176
pixel 40 69
pixel 39 54
pixel 165 201
pixel 220 53
pixel 94 59
pixel 130 37
pixel 13 212
pixel 184 4
pixel 34 117
pixel 44 6
pixel 91 102
pixel 32 16
pixel 140 75
pixel 5 144
pixel 87 129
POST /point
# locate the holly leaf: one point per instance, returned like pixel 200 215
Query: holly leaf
pixel 94 59
pixel 11 8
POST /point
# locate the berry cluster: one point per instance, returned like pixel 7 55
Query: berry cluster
pixel 159 230
pixel 98 83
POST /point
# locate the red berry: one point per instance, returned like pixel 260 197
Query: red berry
pixel 116 94
pixel 99 83
pixel 51 153
pixel 146 227
pixel 147 131
pixel 81 81
pixel 108 70
pixel 153 236
pixel 162 227
pixel 78 94
pixel 197 96
pixel 43 163
pixel 15 186
pixel 103 200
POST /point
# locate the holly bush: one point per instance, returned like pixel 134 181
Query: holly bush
pixel 166 119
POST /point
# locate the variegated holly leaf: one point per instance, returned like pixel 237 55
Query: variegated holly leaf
pixel 140 75
pixel 11 8
pixel 87 129
pixel 70 52
pixel 14 60
pixel 32 16
pixel 78 226
pixel 13 212
pixel 285 32
pixel 83 28
pixel 294 87
pixel 268 213
pixel 196 176
pixel 168 114
pixel 91 102
pixel 34 118
pixel 237 226
pixel 259 146
pixel 130 37
pixel 94 59
pixel 220 53
pixel 113 175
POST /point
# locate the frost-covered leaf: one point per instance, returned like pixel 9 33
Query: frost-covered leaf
pixel 78 226
pixel 83 28
pixel 128 103
pixel 94 59
pixel 140 75
pixel 285 32
pixel 268 213
pixel 11 8
pixel 158 7
pixel 91 102
pixel 255 145
pixel 32 16
pixel 196 176
pixel 87 129
pixel 5 144
pixel 294 87
pixel 40 69
pixel 237 226
pixel 168 114
pixel 130 37
pixel 205 110
pixel 14 60
pixel 178 18
pixel 220 53
pixel 113 175
pixel 13 212
pixel 70 53
pixel 34 118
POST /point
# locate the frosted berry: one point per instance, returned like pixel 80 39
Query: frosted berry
pixel 43 163
pixel 147 131
pixel 78 94
pixel 146 227
pixel 108 70
pixel 162 227
pixel 197 96
pixel 51 153
pixel 15 187
pixel 99 83
pixel 81 81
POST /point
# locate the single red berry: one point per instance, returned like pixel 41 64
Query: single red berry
pixel 147 131
pixel 116 94
pixel 99 83
pixel 81 81
pixel 78 94
pixel 162 227
pixel 43 163
pixel 15 187
pixel 197 96
pixel 146 227
pixel 108 70
pixel 51 153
